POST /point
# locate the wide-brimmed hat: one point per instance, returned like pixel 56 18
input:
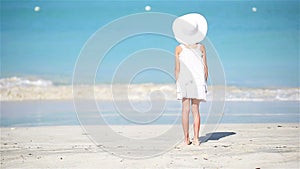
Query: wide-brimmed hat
pixel 190 28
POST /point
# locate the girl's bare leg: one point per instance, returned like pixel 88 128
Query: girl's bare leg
pixel 185 119
pixel 196 115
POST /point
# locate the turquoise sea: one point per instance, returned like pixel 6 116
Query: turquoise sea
pixel 257 49
pixel 257 42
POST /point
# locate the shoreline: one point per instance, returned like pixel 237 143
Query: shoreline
pixel 248 146
pixel 132 125
pixel 52 113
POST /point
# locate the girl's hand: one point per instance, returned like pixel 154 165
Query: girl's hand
pixel 206 74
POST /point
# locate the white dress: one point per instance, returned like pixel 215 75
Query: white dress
pixel 191 81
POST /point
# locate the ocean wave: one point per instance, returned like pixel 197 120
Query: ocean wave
pixel 16 88
pixel 23 82
pixel 262 94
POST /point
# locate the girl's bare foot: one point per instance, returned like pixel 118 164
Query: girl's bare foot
pixel 187 142
pixel 196 142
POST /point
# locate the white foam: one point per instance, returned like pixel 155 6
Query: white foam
pixel 23 82
pixel 143 92
pixel 262 94
pixel 16 88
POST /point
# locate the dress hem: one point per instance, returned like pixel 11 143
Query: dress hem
pixel 201 100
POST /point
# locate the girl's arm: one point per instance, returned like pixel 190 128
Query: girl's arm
pixel 204 61
pixel 177 63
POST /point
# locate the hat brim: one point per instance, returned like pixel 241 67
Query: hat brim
pixel 187 21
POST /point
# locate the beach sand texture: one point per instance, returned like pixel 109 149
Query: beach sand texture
pixel 231 146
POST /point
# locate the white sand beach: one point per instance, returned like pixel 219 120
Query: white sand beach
pixel 231 146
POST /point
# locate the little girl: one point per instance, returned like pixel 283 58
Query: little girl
pixel 191 71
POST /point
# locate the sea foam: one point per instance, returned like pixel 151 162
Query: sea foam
pixel 16 88
pixel 23 82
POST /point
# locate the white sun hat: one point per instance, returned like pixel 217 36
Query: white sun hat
pixel 190 29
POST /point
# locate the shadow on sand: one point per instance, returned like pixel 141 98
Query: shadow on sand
pixel 215 136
